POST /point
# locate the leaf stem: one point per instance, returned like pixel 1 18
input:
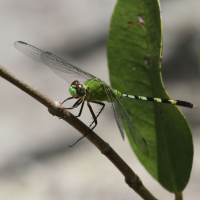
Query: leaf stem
pixel 178 196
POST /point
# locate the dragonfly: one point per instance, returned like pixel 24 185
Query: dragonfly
pixel 85 87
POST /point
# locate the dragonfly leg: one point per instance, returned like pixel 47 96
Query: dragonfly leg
pixel 100 103
pixel 95 121
pixel 94 117
pixel 67 99
pixel 77 103
pixel 80 112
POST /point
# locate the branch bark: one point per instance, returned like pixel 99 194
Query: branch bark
pixel 54 108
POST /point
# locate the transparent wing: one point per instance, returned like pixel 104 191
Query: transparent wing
pixel 117 111
pixel 120 113
pixel 62 68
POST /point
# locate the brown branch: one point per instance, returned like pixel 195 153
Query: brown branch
pixel 54 108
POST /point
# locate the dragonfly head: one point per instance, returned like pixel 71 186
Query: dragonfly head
pixel 76 89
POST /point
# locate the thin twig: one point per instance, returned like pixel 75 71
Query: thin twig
pixel 54 108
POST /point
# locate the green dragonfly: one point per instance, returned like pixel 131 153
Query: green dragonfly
pixel 87 88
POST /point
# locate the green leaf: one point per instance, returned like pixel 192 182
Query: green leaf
pixel 199 58
pixel 134 51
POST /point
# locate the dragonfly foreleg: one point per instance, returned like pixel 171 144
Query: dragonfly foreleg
pixel 77 103
pixel 100 103
pixel 67 99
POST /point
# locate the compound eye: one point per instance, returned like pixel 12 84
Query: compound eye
pixel 80 90
pixel 75 83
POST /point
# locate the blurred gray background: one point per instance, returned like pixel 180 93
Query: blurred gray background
pixel 35 160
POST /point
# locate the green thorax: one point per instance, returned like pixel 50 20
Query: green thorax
pixel 96 91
